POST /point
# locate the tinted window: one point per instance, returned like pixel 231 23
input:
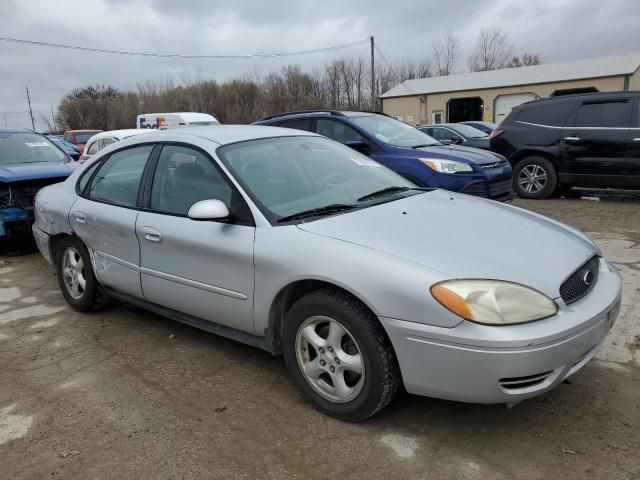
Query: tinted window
pixel 338 131
pixel 552 114
pixel 183 177
pixel 93 148
pixel 299 124
pixel 118 179
pixel 603 114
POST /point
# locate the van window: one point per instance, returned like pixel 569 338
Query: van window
pixel 551 114
pixel 612 114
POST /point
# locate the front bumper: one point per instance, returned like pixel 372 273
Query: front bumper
pixel 481 364
pixel 15 222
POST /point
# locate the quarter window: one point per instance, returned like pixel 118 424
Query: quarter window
pixel 118 179
pixel 93 148
pixel 604 114
pixel 183 177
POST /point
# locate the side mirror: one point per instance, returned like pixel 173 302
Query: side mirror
pixel 208 210
pixel 457 141
pixel 358 146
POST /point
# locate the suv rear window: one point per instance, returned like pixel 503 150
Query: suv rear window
pixel 551 114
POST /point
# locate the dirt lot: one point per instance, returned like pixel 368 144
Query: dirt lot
pixel 127 394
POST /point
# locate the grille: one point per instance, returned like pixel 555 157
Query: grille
pixel 500 188
pixel 580 282
pixel 498 164
pixel 516 383
pixel 476 189
pixel 25 192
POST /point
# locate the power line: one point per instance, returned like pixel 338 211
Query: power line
pixel 403 83
pixel 181 55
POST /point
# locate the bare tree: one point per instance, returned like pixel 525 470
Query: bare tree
pixel 493 50
pixel 525 60
pixel 445 53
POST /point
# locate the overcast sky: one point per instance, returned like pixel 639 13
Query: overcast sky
pixel 557 29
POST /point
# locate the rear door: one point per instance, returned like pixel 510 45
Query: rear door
pixel 104 217
pixel 202 268
pixel 595 142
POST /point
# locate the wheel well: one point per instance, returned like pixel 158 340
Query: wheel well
pixel 54 244
pixel 519 156
pixel 285 299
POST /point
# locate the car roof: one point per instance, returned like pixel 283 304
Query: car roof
pixel 223 134
pixel 320 113
pixel 120 134
pixel 88 130
pixel 581 96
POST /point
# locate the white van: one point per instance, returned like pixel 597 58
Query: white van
pixel 176 119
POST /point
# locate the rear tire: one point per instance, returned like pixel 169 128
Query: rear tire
pixel 339 356
pixel 77 281
pixel 535 178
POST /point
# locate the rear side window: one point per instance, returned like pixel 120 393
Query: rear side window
pixel 300 124
pixel 550 114
pixel 604 114
pixel 118 179
pixel 86 176
pixel 93 148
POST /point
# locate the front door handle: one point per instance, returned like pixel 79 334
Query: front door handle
pixel 151 234
pixel 637 139
pixel 571 139
pixel 79 217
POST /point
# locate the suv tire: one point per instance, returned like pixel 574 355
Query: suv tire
pixel 339 356
pixel 534 177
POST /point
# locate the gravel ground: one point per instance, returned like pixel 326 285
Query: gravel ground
pixel 127 394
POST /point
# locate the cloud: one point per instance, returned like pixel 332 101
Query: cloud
pixel 557 29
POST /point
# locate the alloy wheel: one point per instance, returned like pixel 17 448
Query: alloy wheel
pixel 330 359
pixel 532 178
pixel 73 272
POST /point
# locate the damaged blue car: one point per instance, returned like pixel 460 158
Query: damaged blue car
pixel 28 162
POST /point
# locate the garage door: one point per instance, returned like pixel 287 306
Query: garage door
pixel 504 104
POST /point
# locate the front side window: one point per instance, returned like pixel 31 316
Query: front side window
pixel 289 175
pixel 299 124
pixel 604 114
pixel 338 131
pixel 27 147
pixel 445 134
pixel 392 131
pixel 183 177
pixel 118 178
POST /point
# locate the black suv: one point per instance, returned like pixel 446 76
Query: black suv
pixel 589 140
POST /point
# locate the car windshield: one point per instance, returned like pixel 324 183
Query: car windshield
pixel 26 147
pixel 84 137
pixel 394 132
pixel 289 175
pixel 468 131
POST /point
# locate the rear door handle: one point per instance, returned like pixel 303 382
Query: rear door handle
pixel 79 217
pixel 571 139
pixel 637 139
pixel 151 234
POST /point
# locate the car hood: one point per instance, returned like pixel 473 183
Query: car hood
pixel 32 171
pixel 467 154
pixel 466 237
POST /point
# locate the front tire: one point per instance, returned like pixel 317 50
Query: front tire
pixel 339 356
pixel 535 178
pixel 77 281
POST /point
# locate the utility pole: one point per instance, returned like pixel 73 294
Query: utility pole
pixel 5 119
pixel 33 124
pixel 53 119
pixel 373 77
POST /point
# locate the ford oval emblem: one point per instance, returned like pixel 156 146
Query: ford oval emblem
pixel 588 277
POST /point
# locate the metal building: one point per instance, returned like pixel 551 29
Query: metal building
pixel 491 95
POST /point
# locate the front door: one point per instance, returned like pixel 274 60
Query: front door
pixel 104 217
pixel 202 268
pixel 594 143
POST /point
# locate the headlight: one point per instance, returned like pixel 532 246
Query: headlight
pixel 493 302
pixel 446 166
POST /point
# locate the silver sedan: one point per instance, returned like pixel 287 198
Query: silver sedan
pixel 293 243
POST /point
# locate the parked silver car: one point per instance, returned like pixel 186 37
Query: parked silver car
pixel 296 244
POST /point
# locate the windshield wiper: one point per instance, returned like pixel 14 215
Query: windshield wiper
pixel 426 145
pixel 389 191
pixel 314 212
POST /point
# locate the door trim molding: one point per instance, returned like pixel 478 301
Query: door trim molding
pixel 194 284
